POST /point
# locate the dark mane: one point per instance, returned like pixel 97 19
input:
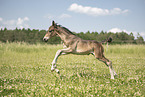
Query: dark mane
pixel 66 29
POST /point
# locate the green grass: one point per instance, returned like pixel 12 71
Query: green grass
pixel 25 71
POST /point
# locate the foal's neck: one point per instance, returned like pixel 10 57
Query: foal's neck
pixel 63 33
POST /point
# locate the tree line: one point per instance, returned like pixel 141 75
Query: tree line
pixel 35 36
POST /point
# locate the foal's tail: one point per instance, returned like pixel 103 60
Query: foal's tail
pixel 109 40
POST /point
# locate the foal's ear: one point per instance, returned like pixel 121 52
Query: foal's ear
pixel 53 23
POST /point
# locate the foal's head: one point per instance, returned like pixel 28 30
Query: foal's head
pixel 51 32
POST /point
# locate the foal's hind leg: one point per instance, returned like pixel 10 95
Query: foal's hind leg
pixel 109 64
pixel 101 57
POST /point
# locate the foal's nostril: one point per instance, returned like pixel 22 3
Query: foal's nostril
pixel 45 39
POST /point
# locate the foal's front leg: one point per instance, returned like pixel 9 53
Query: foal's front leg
pixel 58 53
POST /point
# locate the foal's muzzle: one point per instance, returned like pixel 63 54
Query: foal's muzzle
pixel 45 39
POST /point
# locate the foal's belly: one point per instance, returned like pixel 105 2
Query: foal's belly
pixel 83 48
pixel 82 52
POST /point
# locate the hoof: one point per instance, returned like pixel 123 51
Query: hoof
pixel 52 69
pixel 57 71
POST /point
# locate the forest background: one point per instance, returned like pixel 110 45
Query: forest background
pixel 35 36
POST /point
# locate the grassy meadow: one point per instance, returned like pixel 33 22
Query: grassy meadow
pixel 25 71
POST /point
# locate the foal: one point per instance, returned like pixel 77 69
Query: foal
pixel 76 45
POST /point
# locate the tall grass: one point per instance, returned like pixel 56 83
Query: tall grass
pixel 25 71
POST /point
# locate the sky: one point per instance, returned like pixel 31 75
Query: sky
pixel 76 15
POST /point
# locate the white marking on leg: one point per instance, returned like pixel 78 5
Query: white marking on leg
pixel 55 60
pixel 56 56
pixel 58 53
pixel 53 67
pixel 111 69
pixel 114 72
pixel 111 72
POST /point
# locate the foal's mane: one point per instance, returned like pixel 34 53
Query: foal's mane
pixel 66 29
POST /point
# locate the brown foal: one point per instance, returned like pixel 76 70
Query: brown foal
pixel 76 45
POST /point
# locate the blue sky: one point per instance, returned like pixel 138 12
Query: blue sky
pixel 77 15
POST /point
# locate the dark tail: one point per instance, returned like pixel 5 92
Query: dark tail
pixel 109 40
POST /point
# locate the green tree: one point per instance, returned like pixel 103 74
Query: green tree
pixel 139 39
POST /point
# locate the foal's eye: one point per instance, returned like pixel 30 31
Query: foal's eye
pixel 50 31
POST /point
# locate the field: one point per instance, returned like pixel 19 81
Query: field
pixel 25 71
